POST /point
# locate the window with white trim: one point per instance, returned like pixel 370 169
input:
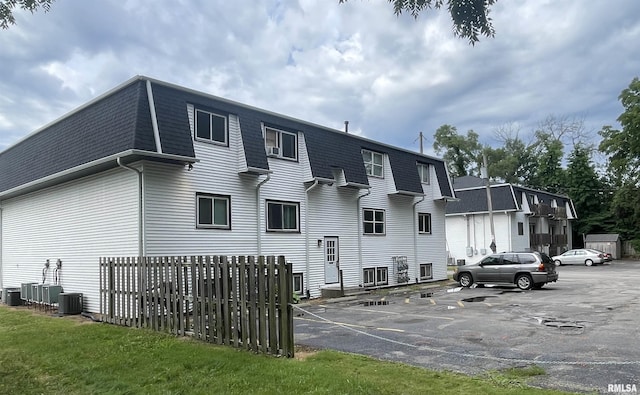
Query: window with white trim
pixel 369 276
pixel 426 272
pixel 373 221
pixel 283 216
pixel 211 127
pixel 424 223
pixel 373 163
pixel 382 275
pixel 281 144
pixel 213 211
pixel 423 170
pixel 298 287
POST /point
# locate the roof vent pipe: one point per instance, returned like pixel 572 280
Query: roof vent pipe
pixel 346 126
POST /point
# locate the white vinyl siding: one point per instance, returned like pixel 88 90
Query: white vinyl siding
pixel 170 208
pixel 77 222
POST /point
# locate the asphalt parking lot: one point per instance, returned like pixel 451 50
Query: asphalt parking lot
pixel 583 330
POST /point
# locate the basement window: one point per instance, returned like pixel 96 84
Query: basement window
pixel 426 272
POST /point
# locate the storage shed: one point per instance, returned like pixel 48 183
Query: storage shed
pixel 607 242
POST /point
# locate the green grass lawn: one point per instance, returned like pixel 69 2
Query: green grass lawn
pixel 40 354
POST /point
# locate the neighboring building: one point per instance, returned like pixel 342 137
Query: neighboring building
pixel 524 219
pixel 607 242
pixel 154 169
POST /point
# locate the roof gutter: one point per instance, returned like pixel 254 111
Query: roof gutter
pixel 86 166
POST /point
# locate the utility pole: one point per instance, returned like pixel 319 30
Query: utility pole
pixel 485 174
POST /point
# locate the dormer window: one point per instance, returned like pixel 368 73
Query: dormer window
pixel 281 144
pixel 423 170
pixel 211 127
pixel 373 163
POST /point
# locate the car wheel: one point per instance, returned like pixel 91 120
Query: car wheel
pixel 465 279
pixel 588 262
pixel 524 282
pixel 557 262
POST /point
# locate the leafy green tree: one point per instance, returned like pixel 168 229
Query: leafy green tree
pixel 587 191
pixel 623 146
pixel 513 163
pixel 623 150
pixel 462 153
pixel 470 17
pixel 548 174
pixel 7 7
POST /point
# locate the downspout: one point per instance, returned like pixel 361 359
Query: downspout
pixel 306 231
pixel 360 275
pixel 510 245
pixel 258 217
pixel 415 239
pixel 140 206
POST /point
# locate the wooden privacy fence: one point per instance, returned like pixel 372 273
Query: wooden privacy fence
pixel 242 301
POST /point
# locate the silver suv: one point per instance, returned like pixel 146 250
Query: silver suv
pixel 525 269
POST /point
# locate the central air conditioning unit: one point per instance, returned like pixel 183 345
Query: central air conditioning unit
pixel 36 293
pixel 50 293
pixel 8 294
pixel 25 291
pixel 274 151
pixel 69 303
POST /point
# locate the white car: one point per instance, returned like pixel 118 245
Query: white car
pixel 583 256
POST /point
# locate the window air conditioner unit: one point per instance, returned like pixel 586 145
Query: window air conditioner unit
pixel 274 151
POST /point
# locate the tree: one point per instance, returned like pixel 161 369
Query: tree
pixel 549 175
pixel 461 153
pixel 587 191
pixel 623 148
pixel 7 7
pixel 470 17
pixel 513 163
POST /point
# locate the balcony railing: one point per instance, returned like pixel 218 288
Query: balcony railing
pixel 541 210
pixel 560 240
pixel 539 239
pixel 544 210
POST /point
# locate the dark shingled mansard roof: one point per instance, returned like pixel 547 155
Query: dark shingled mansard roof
pixel 119 123
pixel 472 194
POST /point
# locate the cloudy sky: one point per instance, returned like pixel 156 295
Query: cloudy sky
pixel 391 77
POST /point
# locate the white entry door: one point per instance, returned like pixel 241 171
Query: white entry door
pixel 331 260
